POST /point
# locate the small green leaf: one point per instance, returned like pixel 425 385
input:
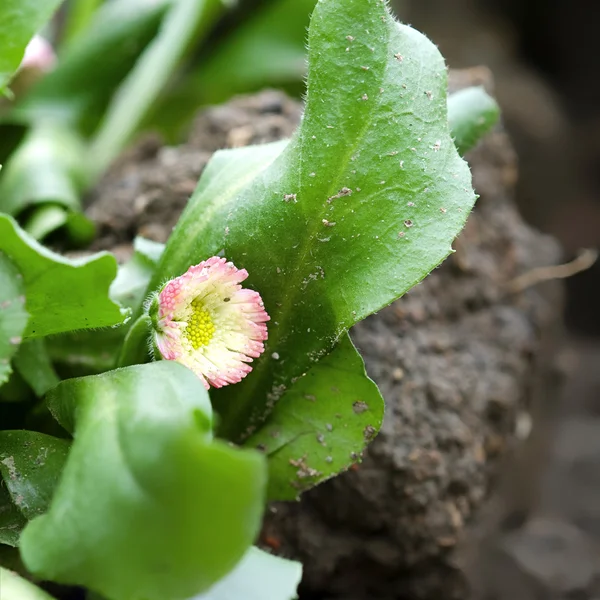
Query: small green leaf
pixel 13 316
pixel 321 425
pixel 136 349
pixel 20 20
pixel 14 587
pixel 361 205
pixel 33 364
pixel 186 20
pixel 31 464
pixel 258 576
pixel 62 294
pixel 46 168
pixel 154 508
pixel 129 286
pixel 268 49
pixel 11 520
pixel 472 112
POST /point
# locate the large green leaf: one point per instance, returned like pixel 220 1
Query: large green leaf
pixel 258 576
pixel 13 316
pixel 19 21
pixel 62 294
pixel 322 423
pixel 154 508
pixel 31 464
pixel 362 204
pixel 14 587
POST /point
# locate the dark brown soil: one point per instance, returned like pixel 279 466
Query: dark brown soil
pixel 460 360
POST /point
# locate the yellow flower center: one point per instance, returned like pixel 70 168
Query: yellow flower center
pixel 200 328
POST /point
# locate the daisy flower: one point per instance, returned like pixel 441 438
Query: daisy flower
pixel 207 321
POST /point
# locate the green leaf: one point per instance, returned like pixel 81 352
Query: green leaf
pixel 11 519
pixel 154 507
pixel 472 113
pixel 93 65
pixel 62 294
pixel 186 20
pixel 258 576
pixel 20 20
pixel 46 168
pixel 268 49
pixel 87 352
pixel 321 425
pixel 13 316
pixel 362 204
pixel 13 587
pixel 34 365
pixel 79 17
pixel 31 464
pixel 136 349
pixel 129 286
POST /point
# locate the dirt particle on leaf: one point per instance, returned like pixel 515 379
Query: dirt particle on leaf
pixel 304 470
pixel 343 192
pixel 360 407
pixel 369 432
pixel 9 463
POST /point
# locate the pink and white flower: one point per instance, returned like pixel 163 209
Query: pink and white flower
pixel 207 321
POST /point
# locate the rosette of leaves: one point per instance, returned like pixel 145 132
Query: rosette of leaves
pixel 120 484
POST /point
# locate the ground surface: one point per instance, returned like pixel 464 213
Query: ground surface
pixel 463 361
